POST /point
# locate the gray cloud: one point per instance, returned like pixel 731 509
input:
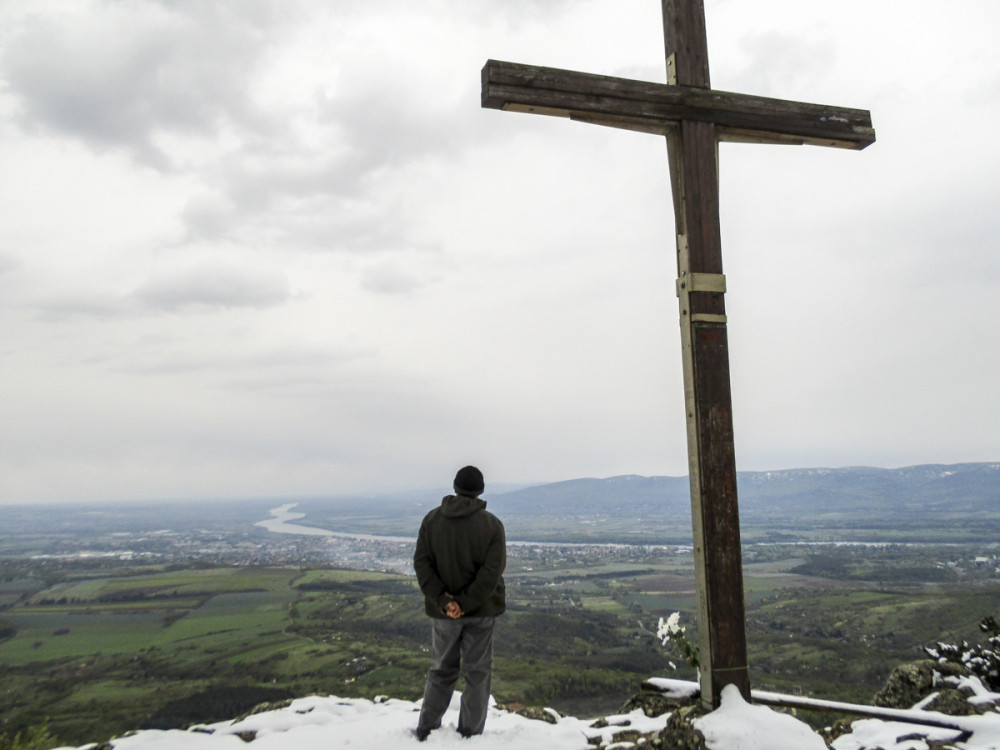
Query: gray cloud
pixel 182 87
pixel 219 285
pixel 117 74
pixel 135 75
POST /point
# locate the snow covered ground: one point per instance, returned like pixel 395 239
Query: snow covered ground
pixel 387 724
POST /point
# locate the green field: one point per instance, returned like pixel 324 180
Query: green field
pixel 139 641
pixel 95 656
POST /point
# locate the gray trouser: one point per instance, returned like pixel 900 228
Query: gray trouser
pixel 459 647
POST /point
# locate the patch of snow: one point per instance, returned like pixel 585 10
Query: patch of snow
pixel 980 694
pixel 636 720
pixel 872 733
pixel 738 725
pixel 928 700
pixel 675 689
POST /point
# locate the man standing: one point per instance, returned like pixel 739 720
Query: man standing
pixel 460 558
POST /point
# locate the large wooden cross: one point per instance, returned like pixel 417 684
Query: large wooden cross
pixel 694 118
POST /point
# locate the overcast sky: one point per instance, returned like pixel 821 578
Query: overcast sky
pixel 275 248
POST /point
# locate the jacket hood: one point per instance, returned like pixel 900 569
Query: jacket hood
pixel 460 506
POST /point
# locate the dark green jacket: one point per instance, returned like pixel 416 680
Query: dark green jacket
pixel 461 554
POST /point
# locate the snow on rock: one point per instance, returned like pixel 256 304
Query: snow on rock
pixel 978 732
pixel 872 733
pixel 636 721
pixel 674 689
pixel 738 725
pixel 973 685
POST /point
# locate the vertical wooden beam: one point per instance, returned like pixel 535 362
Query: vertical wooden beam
pixel 693 154
pixel 686 37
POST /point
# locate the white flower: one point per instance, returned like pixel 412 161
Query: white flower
pixel 669 628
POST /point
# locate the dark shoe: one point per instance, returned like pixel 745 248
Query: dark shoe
pixel 421 734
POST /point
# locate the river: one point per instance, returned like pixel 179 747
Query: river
pixel 280 519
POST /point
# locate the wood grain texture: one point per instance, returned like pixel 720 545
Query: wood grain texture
pixel 654 107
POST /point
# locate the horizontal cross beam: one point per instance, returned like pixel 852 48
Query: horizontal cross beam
pixel 658 107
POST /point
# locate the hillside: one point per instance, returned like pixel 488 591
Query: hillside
pixel 847 504
pixel 927 490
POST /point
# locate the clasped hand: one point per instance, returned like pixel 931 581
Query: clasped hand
pixel 453 610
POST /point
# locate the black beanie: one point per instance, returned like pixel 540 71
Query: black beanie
pixel 469 481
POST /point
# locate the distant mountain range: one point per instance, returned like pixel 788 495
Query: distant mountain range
pixel 932 488
pixel 848 498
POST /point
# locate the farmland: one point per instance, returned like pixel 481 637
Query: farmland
pixel 101 648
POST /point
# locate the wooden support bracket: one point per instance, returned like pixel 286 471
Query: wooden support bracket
pixel 701 282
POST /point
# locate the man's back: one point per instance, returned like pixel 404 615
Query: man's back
pixel 461 555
